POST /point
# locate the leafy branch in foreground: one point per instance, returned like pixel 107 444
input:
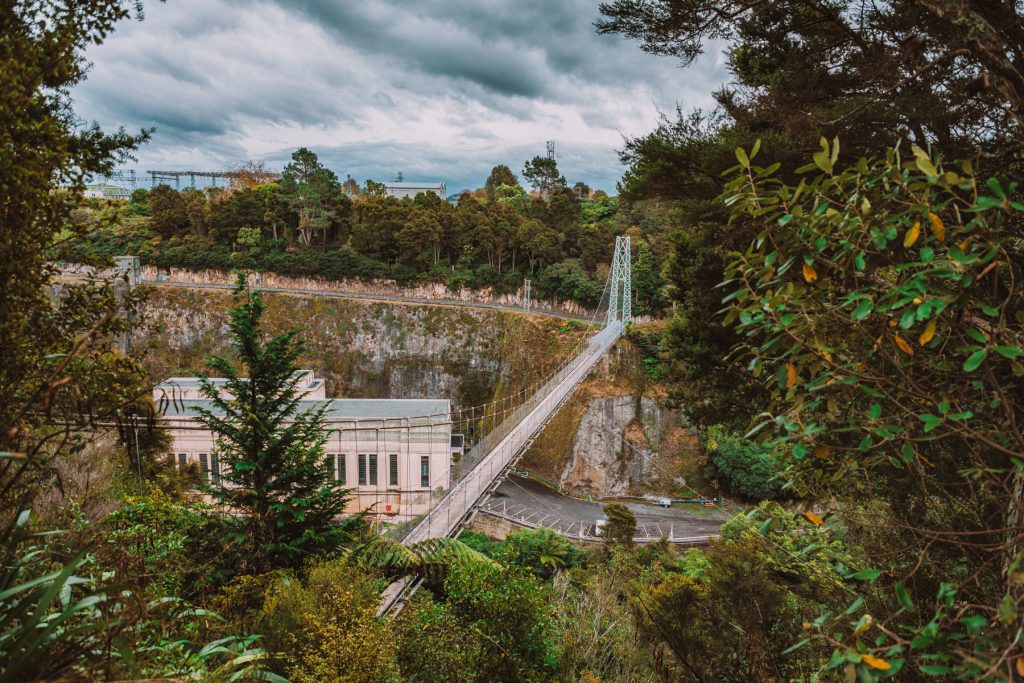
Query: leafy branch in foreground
pixel 880 305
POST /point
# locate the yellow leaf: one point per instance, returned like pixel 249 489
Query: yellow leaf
pixel 790 375
pixel 810 274
pixel 904 346
pixel 938 227
pixel 912 234
pixel 814 519
pixel 876 663
pixel 929 332
pixel 821 451
pixel 1020 666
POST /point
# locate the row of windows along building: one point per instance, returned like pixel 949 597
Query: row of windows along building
pixel 392 453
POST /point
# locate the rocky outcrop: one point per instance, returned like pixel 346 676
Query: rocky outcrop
pixel 601 462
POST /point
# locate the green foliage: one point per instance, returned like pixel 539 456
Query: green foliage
pixel 435 645
pixel 50 617
pixel 542 552
pixel 900 365
pixel 621 526
pixel 325 628
pixel 509 610
pixel 60 370
pixel 734 614
pixel 168 209
pixel 276 473
pixel 313 193
pixel 174 549
pixel 500 176
pixel 542 174
pixel 745 468
pixel 481 543
pixel 430 559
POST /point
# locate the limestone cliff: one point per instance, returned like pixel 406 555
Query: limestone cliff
pixel 366 349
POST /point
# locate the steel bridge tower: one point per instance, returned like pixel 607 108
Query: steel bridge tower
pixel 621 279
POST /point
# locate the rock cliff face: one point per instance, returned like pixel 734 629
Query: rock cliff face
pixel 585 447
pixel 601 462
pixel 365 349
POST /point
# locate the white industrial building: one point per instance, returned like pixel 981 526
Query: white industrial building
pixel 404 190
pixel 392 453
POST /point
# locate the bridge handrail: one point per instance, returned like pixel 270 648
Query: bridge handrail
pixel 495 451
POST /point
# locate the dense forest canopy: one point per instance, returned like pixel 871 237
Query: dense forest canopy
pixel 306 223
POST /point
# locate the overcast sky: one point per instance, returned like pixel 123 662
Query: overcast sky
pixel 436 89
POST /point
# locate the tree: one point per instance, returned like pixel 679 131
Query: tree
pixel 500 175
pixel 540 551
pixel 736 614
pixel 351 187
pixel 251 174
pixel 510 610
pixel 542 174
pixel 170 214
pixel 746 469
pixel 922 70
pixel 374 189
pixel 898 382
pixel 581 190
pixel 61 372
pixel 197 210
pixel 276 475
pixel 620 527
pixel 309 188
pixel 325 626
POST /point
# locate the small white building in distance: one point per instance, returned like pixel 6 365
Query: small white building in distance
pixel 410 190
pixel 106 191
pixel 392 453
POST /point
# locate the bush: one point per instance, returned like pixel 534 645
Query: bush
pixel 327 628
pixel 510 608
pixel 745 469
pixel 173 550
pixel 540 551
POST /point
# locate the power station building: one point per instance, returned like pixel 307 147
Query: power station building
pixel 392 453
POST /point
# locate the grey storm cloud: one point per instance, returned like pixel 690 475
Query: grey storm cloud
pixel 434 88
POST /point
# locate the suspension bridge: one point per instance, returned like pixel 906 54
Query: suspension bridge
pixel 488 461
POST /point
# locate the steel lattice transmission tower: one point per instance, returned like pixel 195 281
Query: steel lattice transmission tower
pixel 622 277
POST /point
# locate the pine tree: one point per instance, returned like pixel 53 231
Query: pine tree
pixel 276 476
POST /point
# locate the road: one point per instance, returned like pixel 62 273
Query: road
pixel 537 504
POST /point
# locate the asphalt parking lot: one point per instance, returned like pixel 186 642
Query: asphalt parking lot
pixel 534 503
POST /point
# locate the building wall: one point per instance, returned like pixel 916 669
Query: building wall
pixel 395 499
pixel 402 192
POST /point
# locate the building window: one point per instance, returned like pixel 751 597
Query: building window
pixel 215 467
pixel 373 469
pixel 362 469
pixel 204 467
pixel 425 471
pixel 182 461
pixel 341 468
pixel 393 469
pixel 330 466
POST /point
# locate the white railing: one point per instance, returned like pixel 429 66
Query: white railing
pixel 493 454
pixel 496 451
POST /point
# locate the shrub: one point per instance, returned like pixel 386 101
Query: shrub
pixel 744 468
pixel 326 627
